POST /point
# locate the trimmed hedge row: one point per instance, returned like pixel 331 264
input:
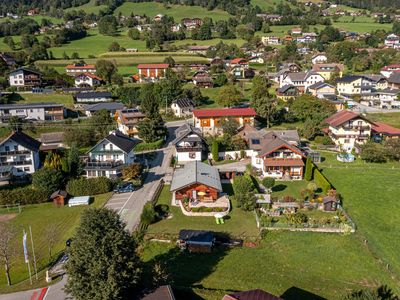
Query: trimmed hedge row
pixel 149 146
pixel 23 195
pixel 321 180
pixel 89 186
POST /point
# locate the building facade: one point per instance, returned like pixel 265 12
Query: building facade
pixel 34 111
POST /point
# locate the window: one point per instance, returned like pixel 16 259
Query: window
pixel 27 169
pixel 346 141
pixel 7 148
pixel 255 141
pixel 111 147
pixel 16 147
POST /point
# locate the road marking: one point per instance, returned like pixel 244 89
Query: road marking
pixel 123 206
pixel 33 297
pixel 45 295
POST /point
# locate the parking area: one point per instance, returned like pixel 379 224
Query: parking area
pixel 118 202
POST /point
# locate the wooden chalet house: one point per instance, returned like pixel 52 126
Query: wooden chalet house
pixel 189 144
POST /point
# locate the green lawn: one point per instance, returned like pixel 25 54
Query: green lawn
pixel 177 11
pixel 89 7
pixel 239 42
pixel 240 223
pixel 370 193
pixel 65 99
pixel 392 119
pixel 39 217
pixel 289 188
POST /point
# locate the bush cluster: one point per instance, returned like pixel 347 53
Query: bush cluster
pixel 89 186
pixel 149 146
pixel 321 181
pixel 23 195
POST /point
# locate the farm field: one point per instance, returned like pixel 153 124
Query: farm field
pixel 330 265
pixel 39 217
pixel 89 7
pixel 177 11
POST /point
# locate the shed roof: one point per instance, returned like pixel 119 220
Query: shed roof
pixel 196 236
pixel 105 105
pixel 196 172
pixel 251 295
pixel 163 292
pixel 385 129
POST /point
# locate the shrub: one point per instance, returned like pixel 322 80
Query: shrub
pixel 324 140
pixel 268 182
pixel 214 150
pixel 321 181
pixel 47 180
pixel 149 146
pixel 148 215
pixel 24 195
pixel 309 169
pixel 161 210
pixel 88 187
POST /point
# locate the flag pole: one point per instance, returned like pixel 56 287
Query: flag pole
pixel 33 253
pixel 26 255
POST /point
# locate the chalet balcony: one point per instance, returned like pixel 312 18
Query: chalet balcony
pixel 357 127
pixel 348 136
pixel 15 152
pixel 16 163
pixel 189 149
pixel 104 165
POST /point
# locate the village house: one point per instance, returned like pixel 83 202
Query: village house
pixel 192 23
pixel 79 68
pixel 158 17
pixel 319 58
pixel 384 99
pixel 383 132
pixel 348 129
pixel 271 40
pixel 239 67
pixel 327 70
pixel 278 158
pixel 392 41
pixel 354 85
pixel 210 120
pixel 271 18
pixel 256 60
pixel 189 144
pixel 111 107
pixel 301 80
pixel 128 119
pixel 394 80
pixel 110 156
pixel 380 82
pixel 296 31
pixel 307 38
pixel 52 141
pixel 152 72
pixel 202 79
pixel 24 77
pixel 34 111
pixel 321 90
pixel 182 107
pixel 287 92
pixel 90 97
pixel 19 156
pixel 87 80
pixel 195 182
pixel 387 71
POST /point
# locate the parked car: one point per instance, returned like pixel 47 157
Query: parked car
pixel 126 187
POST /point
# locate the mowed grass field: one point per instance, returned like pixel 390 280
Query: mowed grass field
pixel 302 265
pixel 176 11
pixel 39 217
pixel 392 119
pixel 89 7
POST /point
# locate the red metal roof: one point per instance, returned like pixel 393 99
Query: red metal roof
pixel 385 129
pixel 225 112
pixel 153 66
pixel 283 162
pixel 341 117
pixel 80 67
pixel 238 61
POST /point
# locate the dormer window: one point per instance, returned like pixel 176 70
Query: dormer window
pixel 111 147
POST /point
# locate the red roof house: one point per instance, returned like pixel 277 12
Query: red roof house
pixel 209 120
pixel 385 130
pixel 152 72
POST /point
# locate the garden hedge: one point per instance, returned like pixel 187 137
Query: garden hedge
pixel 149 146
pixel 89 186
pixel 321 181
pixel 23 195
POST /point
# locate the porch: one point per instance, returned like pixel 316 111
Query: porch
pixel 284 169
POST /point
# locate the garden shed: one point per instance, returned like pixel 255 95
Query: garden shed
pixel 196 240
pixel 59 197
pixel 330 203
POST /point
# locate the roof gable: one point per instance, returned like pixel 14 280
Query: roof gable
pixel 24 140
pixel 342 117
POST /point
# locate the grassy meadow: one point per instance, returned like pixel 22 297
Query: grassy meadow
pixel 176 11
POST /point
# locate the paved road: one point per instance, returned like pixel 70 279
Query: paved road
pixel 130 205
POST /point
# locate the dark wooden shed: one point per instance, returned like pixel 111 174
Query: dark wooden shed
pixel 330 203
pixel 59 197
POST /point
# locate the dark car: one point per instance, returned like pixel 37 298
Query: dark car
pixel 126 187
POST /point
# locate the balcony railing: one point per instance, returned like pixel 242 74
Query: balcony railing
pixel 357 127
pixel 16 163
pixel 103 164
pixel 15 152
